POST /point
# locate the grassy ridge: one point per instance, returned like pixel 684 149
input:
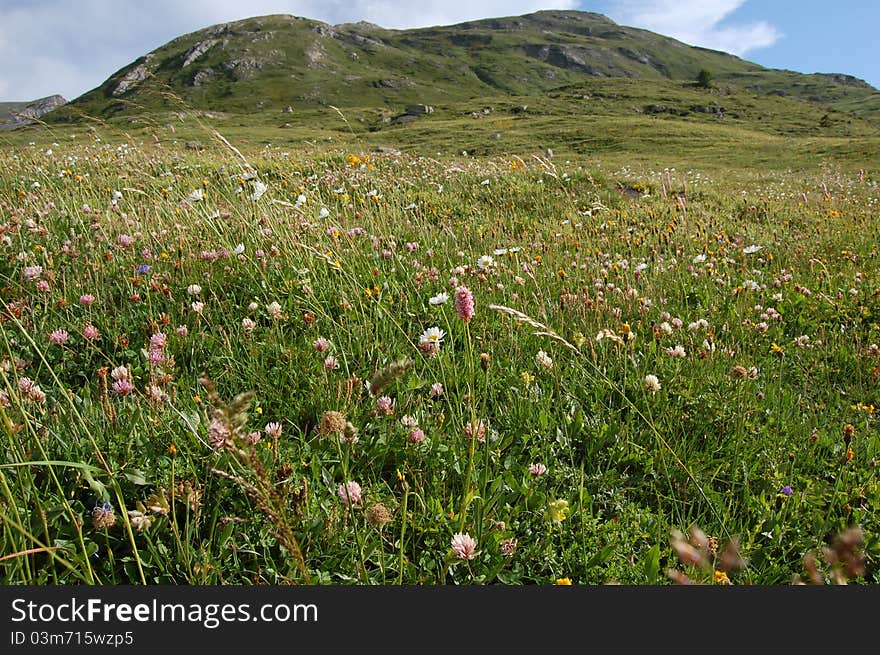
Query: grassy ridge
pixel 271 62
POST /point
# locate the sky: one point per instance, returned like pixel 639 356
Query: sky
pixel 70 47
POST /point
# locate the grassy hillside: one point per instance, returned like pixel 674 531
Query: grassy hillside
pixel 270 63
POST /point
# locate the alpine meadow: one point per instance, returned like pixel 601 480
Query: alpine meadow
pixel 533 300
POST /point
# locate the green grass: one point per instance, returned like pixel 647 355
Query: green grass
pixel 634 223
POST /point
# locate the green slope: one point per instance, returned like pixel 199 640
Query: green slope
pixel 271 62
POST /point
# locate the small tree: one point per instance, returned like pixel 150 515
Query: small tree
pixel 704 79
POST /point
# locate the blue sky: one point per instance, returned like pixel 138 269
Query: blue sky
pixel 70 47
pixel 812 36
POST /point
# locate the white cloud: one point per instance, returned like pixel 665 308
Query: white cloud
pixel 697 22
pixel 57 46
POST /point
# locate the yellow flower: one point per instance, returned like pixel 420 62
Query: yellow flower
pixel 563 581
pixel 721 578
pixel 526 377
pixel 557 510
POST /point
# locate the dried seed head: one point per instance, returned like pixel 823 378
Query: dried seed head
pixel 331 423
pixel 739 372
pixel 385 377
pixel 378 515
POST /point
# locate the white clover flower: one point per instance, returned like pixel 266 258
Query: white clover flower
pixel 652 384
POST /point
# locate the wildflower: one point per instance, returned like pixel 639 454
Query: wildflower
pixel 37 395
pixel 118 373
pixel 122 387
pixel 565 582
pixel 417 435
pixel 239 249
pixel 181 330
pixel 86 299
pixel 409 421
pixel 464 546
pixel 155 394
pixel 436 390
pixel 476 430
pixel 218 434
pixel 139 521
pixel 676 353
pixel 58 337
pixel 557 510
pixel 485 262
pixel 197 307
pixel 331 423
pixel 720 577
pixel 464 303
pixel 527 378
pixel 248 324
pixel 42 286
pixel 543 360
pixel 330 363
pixel 274 310
pixel 142 269
pixel 430 340
pixel 652 384
pixel 194 289
pixel 349 493
pixel 776 349
pixel 321 344
pixel 158 340
pixel 849 432
pixel 32 273
pixel 508 547
pixel 750 250
pixel 440 299
pixel 605 333
pixel 259 190
pixel 103 516
pixel 273 429
pixel 786 491
pixel 384 405
pixel 537 469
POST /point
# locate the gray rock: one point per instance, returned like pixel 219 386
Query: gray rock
pixel 197 51
pixel 137 74
pixel 417 110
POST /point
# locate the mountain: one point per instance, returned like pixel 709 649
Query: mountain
pixel 277 63
pixel 16 114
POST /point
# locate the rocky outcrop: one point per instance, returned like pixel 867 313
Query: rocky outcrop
pixel 197 51
pixel 347 33
pixel 134 76
pixel 42 106
pixel 25 115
